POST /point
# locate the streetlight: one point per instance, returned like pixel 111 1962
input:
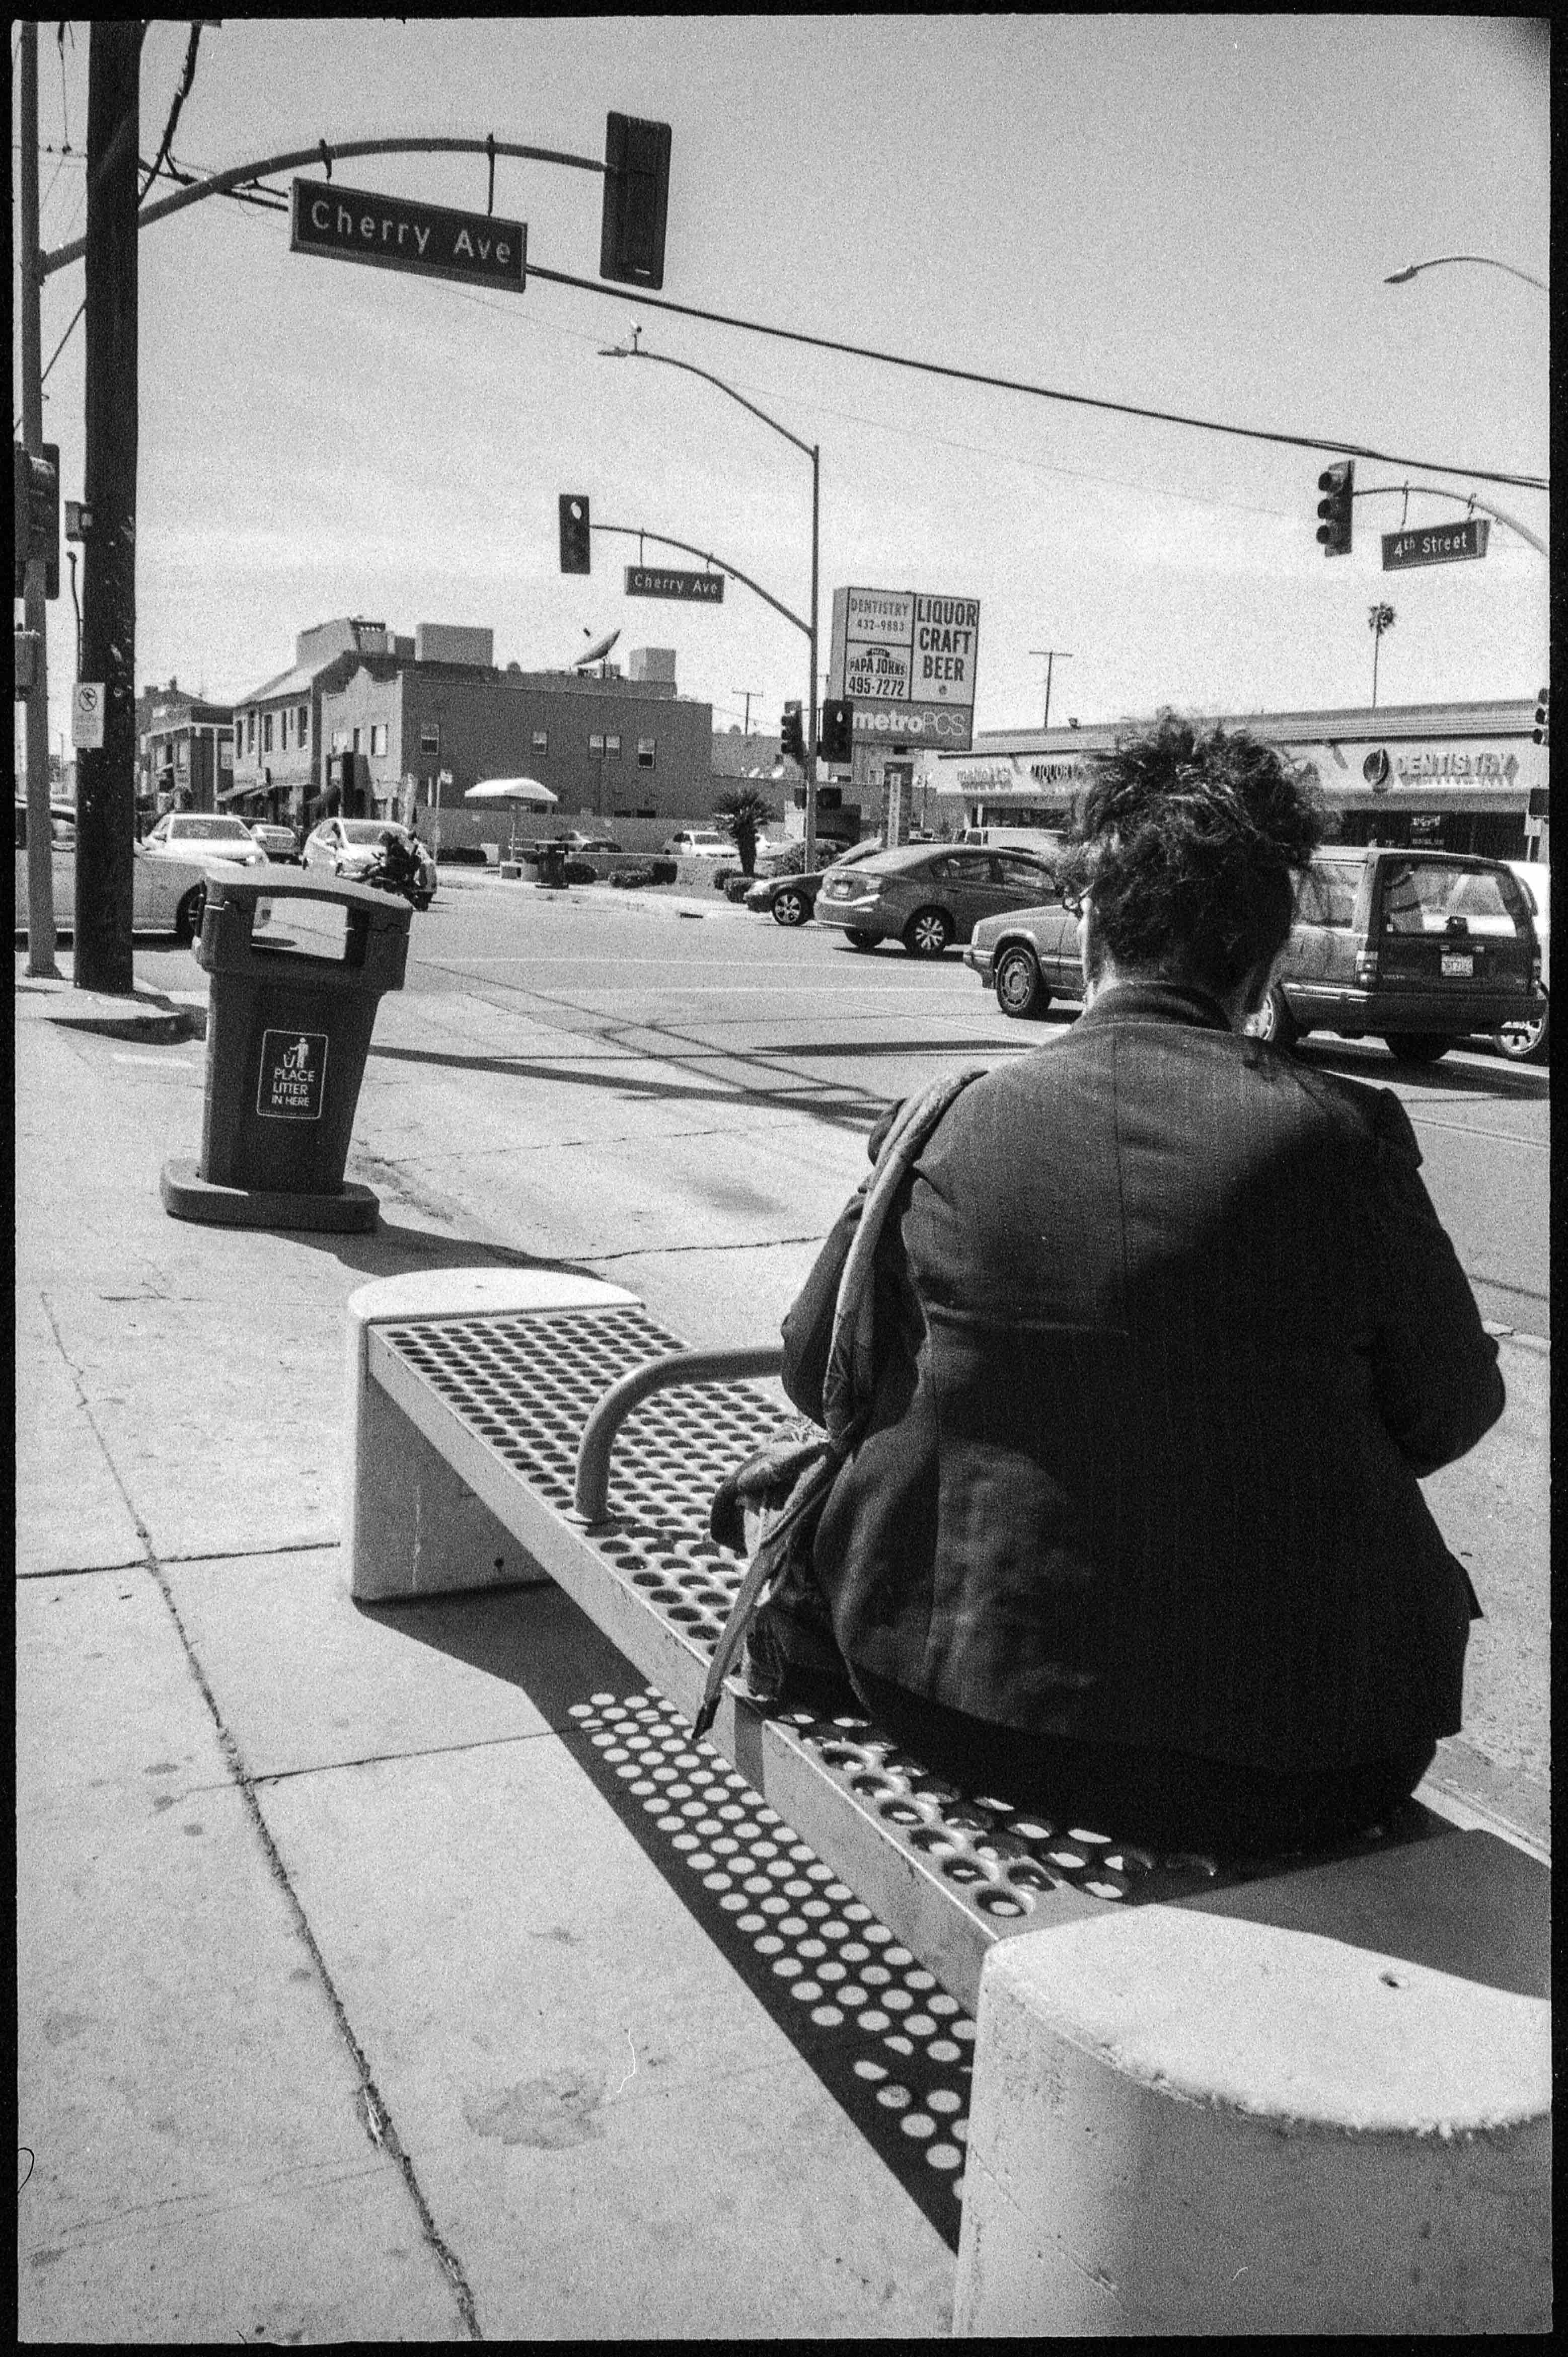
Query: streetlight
pixel 1402 277
pixel 635 351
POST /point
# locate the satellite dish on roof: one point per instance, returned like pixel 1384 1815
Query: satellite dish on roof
pixel 596 652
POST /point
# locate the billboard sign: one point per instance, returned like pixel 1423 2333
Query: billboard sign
pixel 906 659
pixel 399 233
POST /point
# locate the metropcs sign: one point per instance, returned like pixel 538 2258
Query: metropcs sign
pixel 905 660
pixel 396 233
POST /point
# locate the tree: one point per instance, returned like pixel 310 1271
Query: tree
pixel 741 811
pixel 1380 618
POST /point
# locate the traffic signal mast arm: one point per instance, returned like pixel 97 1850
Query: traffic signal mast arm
pixel 636 531
pixel 1462 499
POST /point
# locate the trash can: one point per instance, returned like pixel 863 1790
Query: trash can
pixel 551 859
pixel 289 1027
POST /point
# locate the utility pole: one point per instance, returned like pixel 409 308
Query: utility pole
pixel 106 784
pixel 1053 656
pixel 748 692
pixel 40 856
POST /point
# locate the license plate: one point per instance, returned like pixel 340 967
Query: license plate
pixel 1456 964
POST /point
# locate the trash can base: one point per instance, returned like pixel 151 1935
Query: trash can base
pixel 187 1195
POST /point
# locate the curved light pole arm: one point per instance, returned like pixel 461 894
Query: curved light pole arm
pixel 639 532
pixel 665 362
pixel 1399 278
pixel 331 151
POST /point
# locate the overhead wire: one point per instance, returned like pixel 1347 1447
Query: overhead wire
pixel 181 94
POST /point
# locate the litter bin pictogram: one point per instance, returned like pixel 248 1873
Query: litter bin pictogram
pixel 288 1029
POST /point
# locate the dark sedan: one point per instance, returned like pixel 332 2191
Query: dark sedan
pixel 928 898
pixel 792 900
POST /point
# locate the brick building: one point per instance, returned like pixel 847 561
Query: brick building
pixel 279 769
pixel 630 753
pixel 184 752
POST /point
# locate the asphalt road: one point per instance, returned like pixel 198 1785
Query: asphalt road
pixel 738 1005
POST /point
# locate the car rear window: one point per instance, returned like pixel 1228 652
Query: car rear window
pixel 1011 870
pixel 1327 896
pixel 1424 897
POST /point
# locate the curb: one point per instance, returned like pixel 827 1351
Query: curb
pixel 141 1015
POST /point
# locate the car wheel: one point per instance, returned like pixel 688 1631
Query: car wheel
pixel 1416 1046
pixel 928 932
pixel 1528 1041
pixel 1019 990
pixel 424 900
pixel 188 916
pixel 860 940
pixel 790 908
pixel 1273 1023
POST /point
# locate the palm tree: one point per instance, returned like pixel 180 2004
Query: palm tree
pixel 1380 618
pixel 741 809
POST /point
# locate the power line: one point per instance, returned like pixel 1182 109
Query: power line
pixel 1038 391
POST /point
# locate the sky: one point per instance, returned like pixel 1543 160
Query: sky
pixel 1192 213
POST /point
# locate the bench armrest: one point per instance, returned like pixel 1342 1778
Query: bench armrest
pixel 722 1366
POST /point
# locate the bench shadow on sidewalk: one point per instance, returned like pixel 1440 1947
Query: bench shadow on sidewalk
pixel 904 2081
pixel 392 1249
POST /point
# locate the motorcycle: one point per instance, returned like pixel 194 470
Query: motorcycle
pixel 399 869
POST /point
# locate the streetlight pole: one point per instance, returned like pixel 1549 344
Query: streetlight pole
pixel 1052 655
pixel 636 350
pixel 1490 262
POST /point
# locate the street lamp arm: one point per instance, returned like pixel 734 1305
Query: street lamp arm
pixel 623 353
pixel 220 183
pixel 1461 499
pixel 1402 277
pixel 639 532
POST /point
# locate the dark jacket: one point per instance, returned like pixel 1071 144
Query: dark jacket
pixel 1167 1332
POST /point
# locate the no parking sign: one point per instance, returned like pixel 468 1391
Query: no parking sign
pixel 88 699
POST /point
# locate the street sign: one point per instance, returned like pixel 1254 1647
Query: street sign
pixel 1441 543
pixel 905 660
pixel 396 233
pixel 88 698
pixel 662 581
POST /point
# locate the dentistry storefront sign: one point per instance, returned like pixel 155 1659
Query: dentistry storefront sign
pixel 905 660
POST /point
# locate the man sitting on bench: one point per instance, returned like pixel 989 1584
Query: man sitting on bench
pixel 1168 1333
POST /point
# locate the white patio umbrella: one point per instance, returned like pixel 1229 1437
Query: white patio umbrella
pixel 521 793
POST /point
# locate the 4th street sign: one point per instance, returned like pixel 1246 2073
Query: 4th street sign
pixel 1440 543
pixel 662 581
pixel 396 233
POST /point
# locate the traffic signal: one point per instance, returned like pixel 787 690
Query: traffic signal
pixel 1339 484
pixel 637 198
pixel 38 515
pixel 791 738
pixel 835 737
pixel 575 532
pixel 1541 732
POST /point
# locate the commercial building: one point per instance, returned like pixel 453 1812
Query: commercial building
pixel 630 753
pixel 1460 777
pixel 279 771
pixel 184 751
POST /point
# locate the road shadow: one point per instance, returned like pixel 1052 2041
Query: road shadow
pixel 845 1108
pixel 1526 1083
pixel 393 1250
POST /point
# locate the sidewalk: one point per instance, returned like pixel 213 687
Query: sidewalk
pixel 357 1997
pixel 357 2000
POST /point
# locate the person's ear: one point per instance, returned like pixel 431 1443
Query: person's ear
pixel 1087 950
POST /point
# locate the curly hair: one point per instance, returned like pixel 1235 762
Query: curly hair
pixel 1190 846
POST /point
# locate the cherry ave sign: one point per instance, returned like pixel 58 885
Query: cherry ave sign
pixel 397 234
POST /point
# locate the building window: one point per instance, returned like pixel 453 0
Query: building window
pixel 250 730
pixel 429 737
pixel 378 737
pixel 355 747
pixel 305 724
pixel 338 740
pixel 266 732
pixel 597 746
pixel 612 744
pixel 181 754
pixel 541 740
pixel 645 747
pixel 225 754
pixel 282 730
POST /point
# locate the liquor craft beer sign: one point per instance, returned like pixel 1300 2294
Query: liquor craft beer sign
pixel 905 660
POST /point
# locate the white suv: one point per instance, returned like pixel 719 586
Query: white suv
pixel 697 843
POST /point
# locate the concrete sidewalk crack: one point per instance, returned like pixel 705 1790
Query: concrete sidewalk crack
pixel 374 2115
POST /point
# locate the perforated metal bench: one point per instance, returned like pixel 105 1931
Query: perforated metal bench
pixel 1290 2095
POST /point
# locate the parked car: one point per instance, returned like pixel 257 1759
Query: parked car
pixel 204 837
pixel 1415 947
pixel 1526 1039
pixel 791 900
pixel 167 893
pixel 1029 956
pixel 697 843
pixel 928 898
pixel 350 848
pixel 279 843
pixel 578 842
